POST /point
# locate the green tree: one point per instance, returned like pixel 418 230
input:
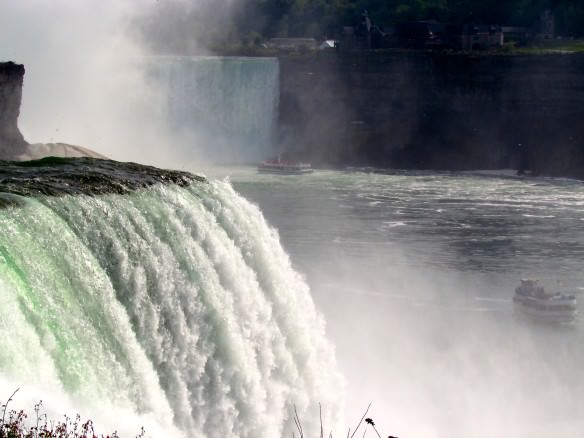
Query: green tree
pixel 172 25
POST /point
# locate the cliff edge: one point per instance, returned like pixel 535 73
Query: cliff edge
pixel 435 110
pixel 13 146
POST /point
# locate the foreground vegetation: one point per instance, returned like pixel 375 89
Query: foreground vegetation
pixel 369 424
pixel 15 424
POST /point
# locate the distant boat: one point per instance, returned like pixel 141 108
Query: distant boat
pixel 278 166
pixel 530 299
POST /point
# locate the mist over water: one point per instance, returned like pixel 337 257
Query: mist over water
pixel 82 83
pixel 415 272
pixel 91 80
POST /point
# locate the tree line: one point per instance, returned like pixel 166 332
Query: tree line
pixel 325 18
pixel 182 25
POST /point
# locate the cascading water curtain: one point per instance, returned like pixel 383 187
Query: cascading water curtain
pixel 175 305
pixel 225 108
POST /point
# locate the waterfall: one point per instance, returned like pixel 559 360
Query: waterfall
pixel 176 306
pixel 225 107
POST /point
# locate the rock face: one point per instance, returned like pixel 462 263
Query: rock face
pixel 436 111
pixel 11 140
pixel 12 143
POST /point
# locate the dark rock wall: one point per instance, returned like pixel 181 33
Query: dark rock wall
pixel 12 144
pixel 11 78
pixel 435 111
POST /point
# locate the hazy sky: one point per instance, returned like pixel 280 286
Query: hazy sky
pixel 84 83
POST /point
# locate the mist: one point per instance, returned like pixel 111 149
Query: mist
pixel 90 82
pixel 438 356
pixel 429 347
pixel 423 326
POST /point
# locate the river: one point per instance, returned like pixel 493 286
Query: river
pixel 414 273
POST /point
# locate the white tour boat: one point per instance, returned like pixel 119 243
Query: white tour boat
pixel 284 167
pixel 530 299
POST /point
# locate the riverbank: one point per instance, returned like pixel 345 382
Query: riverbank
pixel 434 110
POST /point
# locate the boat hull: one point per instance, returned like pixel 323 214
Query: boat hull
pixel 284 170
pixel 531 300
pixel 543 313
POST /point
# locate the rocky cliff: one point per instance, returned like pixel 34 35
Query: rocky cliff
pixel 435 111
pixel 11 78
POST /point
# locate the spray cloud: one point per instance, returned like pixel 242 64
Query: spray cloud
pixel 87 72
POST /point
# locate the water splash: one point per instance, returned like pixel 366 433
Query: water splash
pixel 175 304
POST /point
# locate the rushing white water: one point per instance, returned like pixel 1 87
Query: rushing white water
pixel 415 272
pixel 222 107
pixel 175 307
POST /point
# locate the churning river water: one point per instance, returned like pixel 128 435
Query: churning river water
pixel 414 273
pixel 201 307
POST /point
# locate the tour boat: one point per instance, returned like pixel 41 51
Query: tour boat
pixel 530 299
pixel 284 167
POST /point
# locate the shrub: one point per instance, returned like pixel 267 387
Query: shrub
pixel 14 424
